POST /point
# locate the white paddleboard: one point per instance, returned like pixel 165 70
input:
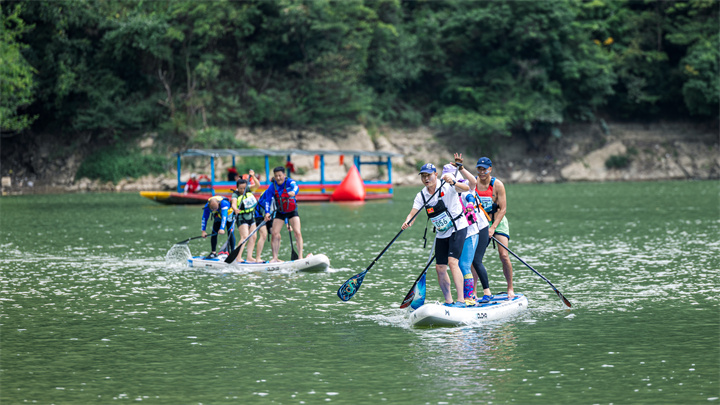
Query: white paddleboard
pixel 437 314
pixel 314 263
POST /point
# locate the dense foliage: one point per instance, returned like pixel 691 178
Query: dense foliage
pixel 115 69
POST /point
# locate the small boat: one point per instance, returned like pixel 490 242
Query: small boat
pixel 314 263
pixel 437 314
pixel 323 190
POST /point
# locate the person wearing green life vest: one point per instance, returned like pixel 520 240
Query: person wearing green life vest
pixel 243 205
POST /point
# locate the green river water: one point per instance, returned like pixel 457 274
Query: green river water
pixel 92 311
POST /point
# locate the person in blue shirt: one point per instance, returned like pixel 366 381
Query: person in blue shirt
pixel 284 191
pixel 221 210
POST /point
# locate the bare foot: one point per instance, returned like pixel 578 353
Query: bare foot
pixel 510 294
pixel 276 261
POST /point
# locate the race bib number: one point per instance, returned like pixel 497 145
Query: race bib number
pixel 487 203
pixel 442 222
pixel 250 202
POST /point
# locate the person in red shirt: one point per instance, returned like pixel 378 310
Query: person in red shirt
pixel 233 174
pixel 290 167
pixel 192 185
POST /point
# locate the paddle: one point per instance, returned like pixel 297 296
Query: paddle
pixel 536 272
pixel 411 294
pixel 189 239
pixel 293 254
pixel 350 287
pixel 233 255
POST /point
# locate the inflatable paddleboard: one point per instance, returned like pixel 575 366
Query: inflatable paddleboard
pixel 440 315
pixel 314 263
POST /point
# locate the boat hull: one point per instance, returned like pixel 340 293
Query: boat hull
pixel 314 263
pixel 169 197
pixel 430 315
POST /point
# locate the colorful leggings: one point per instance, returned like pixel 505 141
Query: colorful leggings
pixel 466 259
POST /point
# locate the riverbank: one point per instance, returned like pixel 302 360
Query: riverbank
pixel 582 152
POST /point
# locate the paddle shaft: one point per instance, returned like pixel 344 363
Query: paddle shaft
pixel 409 222
pixel 293 254
pixel 565 300
pixel 233 255
pixel 350 287
pixel 193 238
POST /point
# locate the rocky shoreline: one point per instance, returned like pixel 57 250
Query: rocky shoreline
pixel 659 151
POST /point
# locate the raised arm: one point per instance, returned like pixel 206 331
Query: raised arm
pixel 253 180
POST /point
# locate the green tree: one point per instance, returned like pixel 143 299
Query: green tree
pixel 16 74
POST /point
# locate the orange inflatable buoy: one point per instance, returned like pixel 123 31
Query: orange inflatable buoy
pixel 352 187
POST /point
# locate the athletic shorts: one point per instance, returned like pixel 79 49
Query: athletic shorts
pixel 503 228
pixel 286 215
pixel 268 224
pixel 450 247
pixel 247 222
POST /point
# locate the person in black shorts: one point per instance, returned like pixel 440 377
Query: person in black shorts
pixel 446 214
pixel 284 191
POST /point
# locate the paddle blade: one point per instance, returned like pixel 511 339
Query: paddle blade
pixel 416 297
pixel 350 287
pixel 408 299
pixel 232 256
pixel 293 254
pixel 565 300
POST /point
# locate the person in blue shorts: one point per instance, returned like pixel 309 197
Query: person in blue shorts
pixel 221 211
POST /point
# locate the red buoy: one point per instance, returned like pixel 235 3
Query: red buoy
pixel 352 187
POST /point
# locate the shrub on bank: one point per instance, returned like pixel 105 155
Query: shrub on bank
pixel 113 164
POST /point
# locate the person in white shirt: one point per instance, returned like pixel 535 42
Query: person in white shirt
pixel 446 213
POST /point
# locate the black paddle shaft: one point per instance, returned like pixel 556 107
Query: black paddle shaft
pixel 562 297
pixel 348 289
pixel 293 254
pixel 409 222
pixel 233 255
pixel 193 238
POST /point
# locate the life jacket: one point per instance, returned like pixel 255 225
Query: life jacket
pixel 285 202
pixel 486 199
pixel 246 205
pixel 439 214
pixel 218 214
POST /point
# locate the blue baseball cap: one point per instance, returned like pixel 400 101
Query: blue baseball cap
pixel 484 162
pixel 428 168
